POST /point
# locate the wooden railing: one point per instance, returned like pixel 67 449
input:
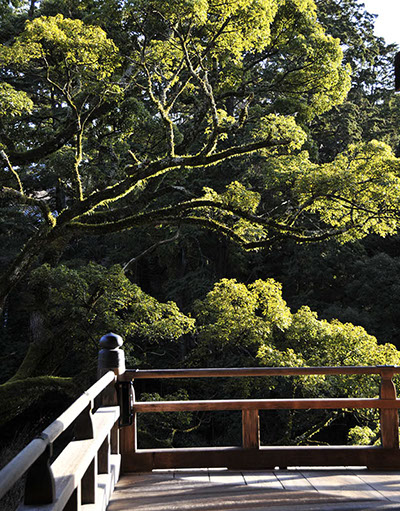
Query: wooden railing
pixel 105 438
pixel 250 455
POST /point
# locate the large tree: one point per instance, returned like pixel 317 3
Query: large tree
pixel 98 138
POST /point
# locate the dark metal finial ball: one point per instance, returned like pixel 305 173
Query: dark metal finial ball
pixel 111 341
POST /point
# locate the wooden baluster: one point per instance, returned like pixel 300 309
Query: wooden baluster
pixel 83 427
pixel 389 417
pixel 250 429
pixel 104 457
pixel 40 485
pixel 89 483
pixel 111 358
pixel 115 449
pixel 73 503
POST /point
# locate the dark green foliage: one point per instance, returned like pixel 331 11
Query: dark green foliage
pixel 19 395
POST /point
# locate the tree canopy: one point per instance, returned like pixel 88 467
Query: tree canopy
pixel 92 133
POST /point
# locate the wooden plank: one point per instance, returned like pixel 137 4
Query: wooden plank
pixel 262 479
pixel 227 477
pixel 263 458
pixel 140 374
pixel 201 476
pixel 264 404
pixel 293 480
pixel 346 485
pixel 250 429
pixel 155 492
pixel 160 495
pixel 387 484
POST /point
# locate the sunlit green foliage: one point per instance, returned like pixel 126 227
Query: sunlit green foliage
pixel 362 435
pixel 74 56
pixel 187 91
pixel 234 314
pixel 359 189
pixel 13 102
pixel 239 324
pixel 75 307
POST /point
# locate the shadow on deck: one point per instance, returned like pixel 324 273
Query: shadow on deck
pixel 283 490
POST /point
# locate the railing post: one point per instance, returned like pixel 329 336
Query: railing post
pixel 111 358
pixel 250 429
pixel 389 418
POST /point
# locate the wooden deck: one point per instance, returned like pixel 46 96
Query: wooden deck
pixel 283 490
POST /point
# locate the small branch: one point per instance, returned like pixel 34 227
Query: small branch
pixel 164 112
pixel 150 249
pixel 77 162
pixel 102 219
pixel 79 135
pixel 302 238
pixel 14 172
pixel 208 91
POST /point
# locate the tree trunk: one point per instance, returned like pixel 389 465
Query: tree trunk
pixel 23 263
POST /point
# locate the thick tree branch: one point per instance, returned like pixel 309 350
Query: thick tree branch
pixel 21 198
pixel 144 171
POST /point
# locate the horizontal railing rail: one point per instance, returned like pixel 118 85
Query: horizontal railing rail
pixel 264 404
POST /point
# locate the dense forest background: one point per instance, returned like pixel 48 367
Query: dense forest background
pixel 217 184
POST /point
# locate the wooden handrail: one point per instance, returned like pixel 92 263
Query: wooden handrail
pixel 70 415
pixel 17 467
pixel 141 374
